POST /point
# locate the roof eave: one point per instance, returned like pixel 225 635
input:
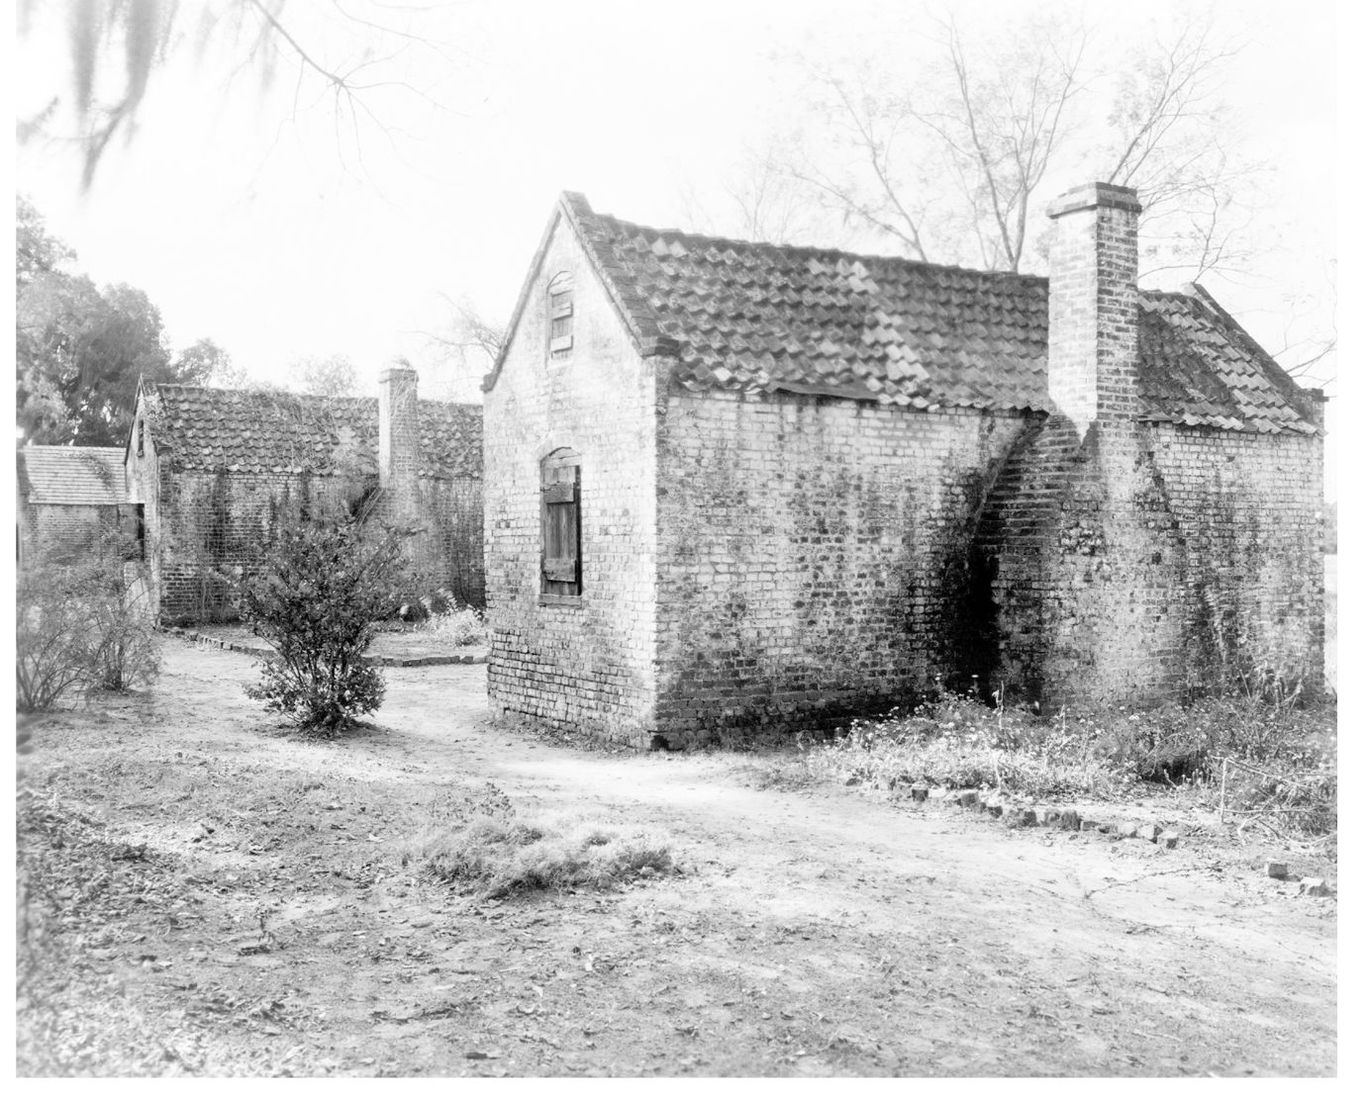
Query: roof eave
pixel 575 208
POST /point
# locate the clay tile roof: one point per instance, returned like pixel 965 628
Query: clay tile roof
pixel 207 429
pixel 1199 367
pixel 65 475
pixel 761 317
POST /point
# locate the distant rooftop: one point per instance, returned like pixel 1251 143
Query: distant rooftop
pixel 68 475
pixel 208 429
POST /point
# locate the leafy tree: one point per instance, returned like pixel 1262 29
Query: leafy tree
pixel 322 590
pixel 331 376
pixel 35 251
pixel 80 350
pixel 205 362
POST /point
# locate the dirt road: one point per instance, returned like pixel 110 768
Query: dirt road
pixel 240 905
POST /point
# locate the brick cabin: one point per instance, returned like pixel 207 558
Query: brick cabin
pixel 72 503
pixel 218 470
pixel 733 485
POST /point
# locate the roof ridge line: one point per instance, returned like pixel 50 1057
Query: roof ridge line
pixel 813 250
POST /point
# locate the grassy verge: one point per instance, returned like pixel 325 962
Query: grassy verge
pixel 1278 760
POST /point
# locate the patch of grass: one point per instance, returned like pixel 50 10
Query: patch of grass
pixel 496 853
pixel 457 627
pixel 961 743
pixel 1101 753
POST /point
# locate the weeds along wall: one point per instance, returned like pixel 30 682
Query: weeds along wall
pixel 811 555
pixel 448 551
pixel 582 661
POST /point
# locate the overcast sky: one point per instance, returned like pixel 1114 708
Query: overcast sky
pixel 265 223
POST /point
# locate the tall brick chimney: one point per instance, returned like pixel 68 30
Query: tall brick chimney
pixel 1094 305
pixel 399 442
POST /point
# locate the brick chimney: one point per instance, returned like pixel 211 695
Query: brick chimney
pixel 399 441
pixel 1094 305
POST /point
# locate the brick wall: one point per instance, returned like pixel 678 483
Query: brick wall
pixel 588 663
pixel 202 526
pixel 812 555
pixel 448 551
pixel 64 534
pixel 216 525
pixel 1151 562
pixel 1248 511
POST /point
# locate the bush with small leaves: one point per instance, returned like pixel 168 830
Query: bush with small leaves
pixel 53 638
pixel 318 600
pixel 80 627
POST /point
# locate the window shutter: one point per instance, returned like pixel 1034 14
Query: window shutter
pixel 560 313
pixel 561 529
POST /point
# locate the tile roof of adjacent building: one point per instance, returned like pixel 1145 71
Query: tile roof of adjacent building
pixel 763 317
pixel 212 429
pixel 69 475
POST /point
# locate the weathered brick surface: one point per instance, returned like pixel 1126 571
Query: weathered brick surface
pixel 1250 578
pixel 63 534
pixel 785 557
pixel 587 664
pixel 1133 560
pixel 203 528
pixel 1094 305
pixel 811 554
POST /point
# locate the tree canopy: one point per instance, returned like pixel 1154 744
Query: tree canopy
pixel 80 349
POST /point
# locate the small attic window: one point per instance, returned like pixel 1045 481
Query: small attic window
pixel 142 434
pixel 560 311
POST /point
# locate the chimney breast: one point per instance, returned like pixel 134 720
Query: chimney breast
pixel 399 440
pixel 1094 347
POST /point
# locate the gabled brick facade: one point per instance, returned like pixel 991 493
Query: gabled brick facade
pixel 811 484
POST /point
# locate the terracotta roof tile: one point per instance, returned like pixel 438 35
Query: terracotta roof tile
pixel 760 317
pixel 67 475
pixel 205 429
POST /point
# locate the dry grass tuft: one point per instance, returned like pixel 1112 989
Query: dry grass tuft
pixel 497 853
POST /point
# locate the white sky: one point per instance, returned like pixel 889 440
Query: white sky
pixel 269 236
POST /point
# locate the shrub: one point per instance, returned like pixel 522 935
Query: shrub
pixel 53 640
pixel 317 600
pixel 81 627
pixel 124 651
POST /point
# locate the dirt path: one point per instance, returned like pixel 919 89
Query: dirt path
pixel 813 932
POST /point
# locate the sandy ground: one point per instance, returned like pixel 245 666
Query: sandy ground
pixel 241 906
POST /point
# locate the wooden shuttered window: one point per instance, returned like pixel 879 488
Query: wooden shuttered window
pixel 560 300
pixel 562 573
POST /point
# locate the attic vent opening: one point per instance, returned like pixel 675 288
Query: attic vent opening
pixel 560 311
